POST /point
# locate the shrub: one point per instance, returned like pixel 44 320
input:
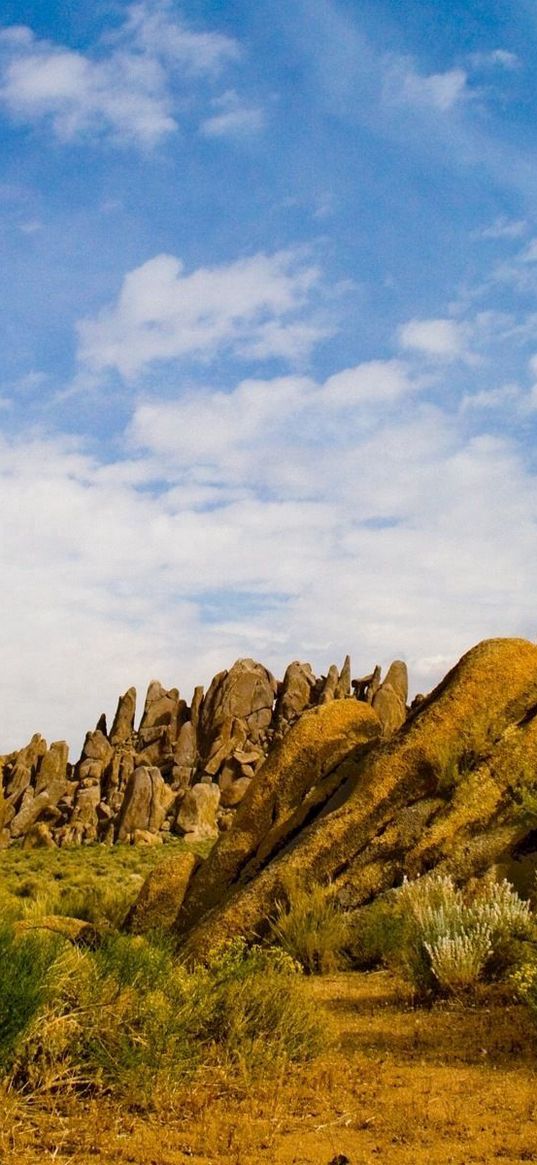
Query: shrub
pixel 450 942
pixel 457 962
pixel 130 1016
pixel 377 933
pixel 258 1011
pixel 24 968
pixel 312 928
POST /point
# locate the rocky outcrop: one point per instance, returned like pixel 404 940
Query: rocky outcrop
pixel 295 782
pixel 196 818
pixel 146 801
pixel 390 698
pixel 162 893
pixel 184 770
pixel 452 790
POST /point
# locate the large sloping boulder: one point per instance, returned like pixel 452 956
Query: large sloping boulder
pixel 423 798
pixel 294 782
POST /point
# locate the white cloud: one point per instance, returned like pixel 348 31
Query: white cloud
pixel 122 89
pixel 346 520
pixel 508 396
pixel 369 384
pixel 437 91
pixel 249 306
pixel 156 30
pixel 441 339
pixel 497 57
pixel 232 117
pixel 530 254
pixel 504 228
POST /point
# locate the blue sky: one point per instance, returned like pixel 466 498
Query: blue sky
pixel 269 353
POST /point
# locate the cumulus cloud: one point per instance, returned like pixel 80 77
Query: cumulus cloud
pixel 290 517
pixel 123 88
pixel 232 117
pixel 156 30
pixel 253 307
pixel 441 339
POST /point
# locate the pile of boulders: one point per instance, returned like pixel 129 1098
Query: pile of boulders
pixel 184 769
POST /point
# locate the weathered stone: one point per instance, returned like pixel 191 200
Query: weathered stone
pixel 295 693
pixel 32 806
pixel 52 772
pixel 20 777
pixel 343 686
pixel 162 894
pixel 32 753
pixel 196 706
pixel 232 794
pixel 229 773
pixel 160 710
pixel 232 736
pixel 38 837
pixel 146 801
pixel 180 779
pixel 246 693
pixel 117 777
pixel 97 749
pixel 397 677
pixel 104 812
pixel 390 709
pixel 294 780
pixel 249 756
pixel 330 685
pixel 197 812
pixel 90 770
pixel 185 752
pixel 145 837
pixel 84 819
pixel 75 930
pixel 367 687
pixel 123 725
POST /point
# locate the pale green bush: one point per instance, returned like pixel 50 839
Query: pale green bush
pixel 458 962
pixel 451 942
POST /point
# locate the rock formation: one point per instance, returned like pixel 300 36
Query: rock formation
pixel 184 770
pixel 328 778
pixel 454 789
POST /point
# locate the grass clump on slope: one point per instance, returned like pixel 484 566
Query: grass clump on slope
pixel 311 927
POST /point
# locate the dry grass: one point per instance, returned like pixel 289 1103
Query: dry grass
pixel 96 882
pixel 453 1085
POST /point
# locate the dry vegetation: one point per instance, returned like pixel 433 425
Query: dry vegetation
pixel 267 1064
pixel 454 1085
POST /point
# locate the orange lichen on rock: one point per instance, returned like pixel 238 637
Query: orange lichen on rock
pixel 297 767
